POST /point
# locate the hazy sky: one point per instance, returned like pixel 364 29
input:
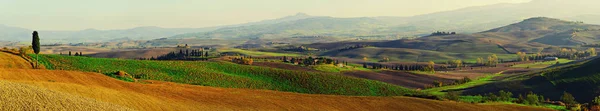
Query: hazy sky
pixel 121 14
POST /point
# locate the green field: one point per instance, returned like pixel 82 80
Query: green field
pixel 542 64
pixel 335 69
pixel 476 82
pixel 230 75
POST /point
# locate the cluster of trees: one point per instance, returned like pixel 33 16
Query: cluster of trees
pixel 243 60
pixel 312 61
pixel 458 64
pixel 401 67
pixel 563 53
pixel 575 54
pixel 358 46
pixel 300 49
pixel 533 99
pixel 438 33
pixel 184 55
pixel 442 84
pixel 492 61
pixel 76 53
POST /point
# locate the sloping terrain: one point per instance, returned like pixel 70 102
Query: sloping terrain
pixel 27 89
pixel 170 96
pixel 229 75
pixel 134 54
pixel 8 60
pixel 580 79
pixel 18 96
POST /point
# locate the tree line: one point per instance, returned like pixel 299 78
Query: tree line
pixel 187 54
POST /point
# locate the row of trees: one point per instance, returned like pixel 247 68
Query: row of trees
pixel 528 99
pixel 184 55
pixel 563 53
pixel 438 33
pixel 243 60
pixel 312 61
pixel 358 46
pixel 76 54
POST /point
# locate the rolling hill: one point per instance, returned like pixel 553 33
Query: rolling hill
pixel 39 89
pixel 105 93
pixel 229 75
pixel 466 20
pixel 533 35
pixel 579 78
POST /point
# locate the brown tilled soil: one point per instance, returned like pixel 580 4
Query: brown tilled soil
pixel 405 79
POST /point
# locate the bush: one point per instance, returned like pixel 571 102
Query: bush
pixel 491 97
pixel 453 95
pixel 568 99
pixel 505 96
pixel 596 101
pixel 438 83
pixel 532 99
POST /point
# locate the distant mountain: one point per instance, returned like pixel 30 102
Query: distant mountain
pixel 259 24
pixel 480 18
pixel 316 26
pixel 466 20
pixel 8 33
pixel 544 23
pixel 92 35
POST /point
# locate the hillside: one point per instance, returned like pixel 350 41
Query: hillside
pixel 407 55
pixel 154 95
pixel 579 78
pixel 466 20
pixel 93 35
pixel 316 26
pixel 229 75
pixel 543 23
pixel 28 89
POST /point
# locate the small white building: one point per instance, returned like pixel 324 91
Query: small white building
pixel 551 58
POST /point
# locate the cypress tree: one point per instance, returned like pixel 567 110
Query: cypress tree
pixel 36 42
pixel 70 53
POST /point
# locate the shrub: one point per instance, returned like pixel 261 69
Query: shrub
pixel 596 101
pixel 438 83
pixel 505 96
pixel 453 95
pixel 491 97
pixel 568 99
pixel 532 99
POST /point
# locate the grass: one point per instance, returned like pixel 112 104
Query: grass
pixel 230 75
pixel 335 69
pixel 259 53
pixel 476 82
pixel 542 64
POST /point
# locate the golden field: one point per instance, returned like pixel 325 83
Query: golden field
pixel 35 89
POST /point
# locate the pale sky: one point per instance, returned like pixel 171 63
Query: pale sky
pixel 122 14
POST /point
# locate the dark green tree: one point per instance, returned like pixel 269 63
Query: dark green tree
pixel 568 98
pixel 70 53
pixel 35 44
